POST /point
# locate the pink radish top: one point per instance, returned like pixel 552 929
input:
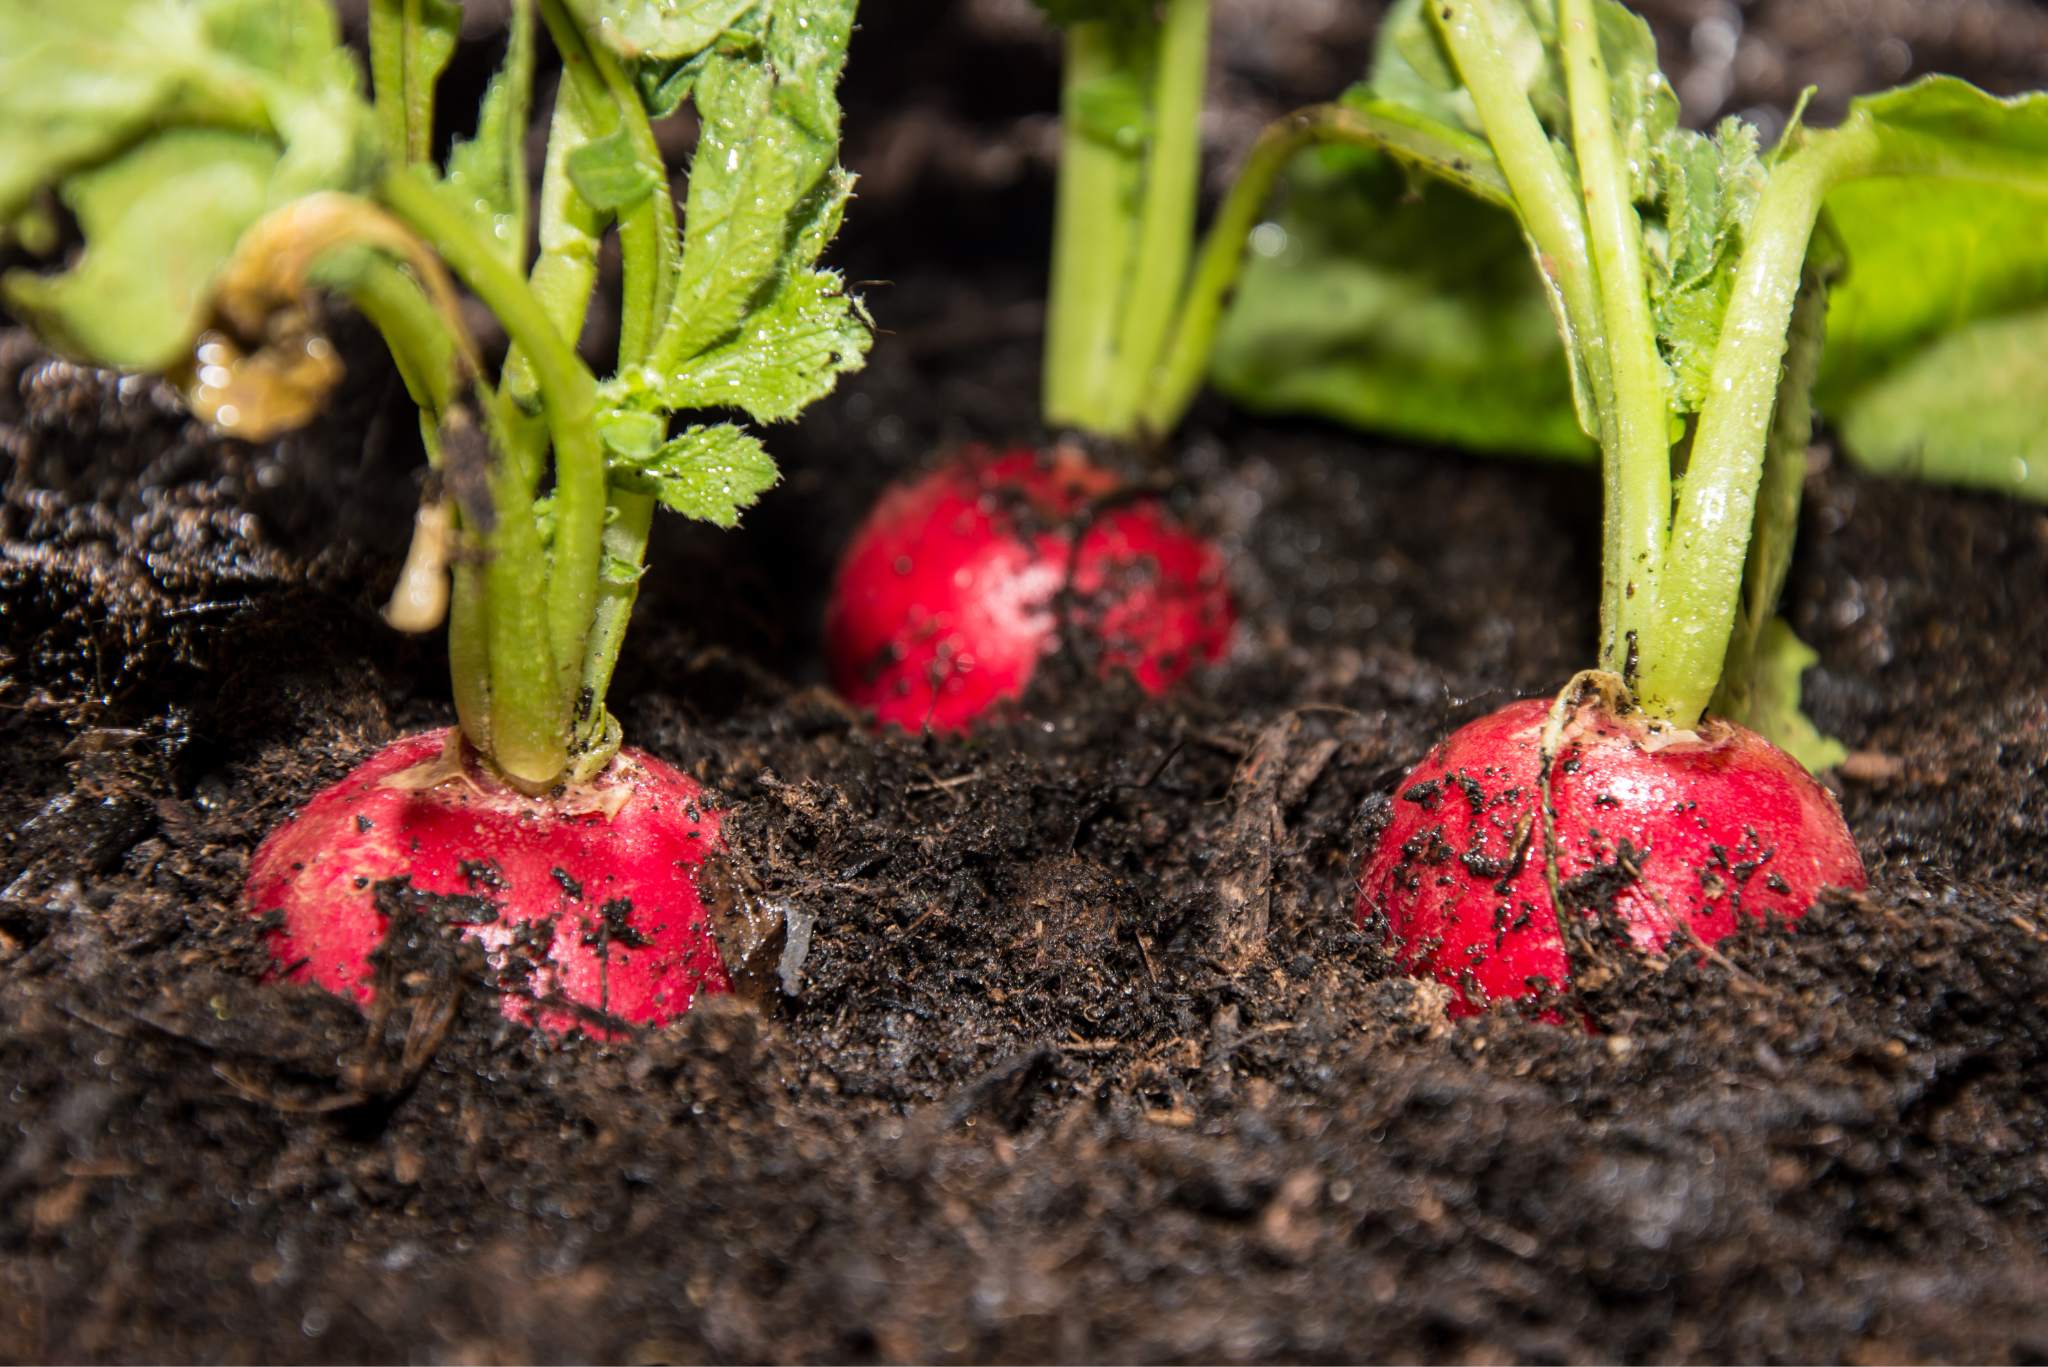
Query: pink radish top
pixel 951 591
pixel 1699 830
pixel 574 908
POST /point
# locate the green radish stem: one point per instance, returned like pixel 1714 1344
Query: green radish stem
pixel 1092 244
pixel 1552 215
pixel 650 267
pixel 1682 659
pixel 1166 223
pixel 531 635
pixel 1639 499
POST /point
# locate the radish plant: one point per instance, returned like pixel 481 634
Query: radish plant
pixel 1397 304
pixel 227 174
pixel 1688 275
pixel 958 584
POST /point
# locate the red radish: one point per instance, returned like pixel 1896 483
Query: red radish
pixel 1656 828
pixel 585 899
pixel 954 588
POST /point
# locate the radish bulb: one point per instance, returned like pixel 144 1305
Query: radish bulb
pixel 959 585
pixel 1654 829
pixel 585 900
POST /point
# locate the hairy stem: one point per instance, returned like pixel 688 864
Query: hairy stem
pixel 387 76
pixel 1680 661
pixel 648 240
pixel 650 250
pixel 412 328
pixel 539 718
pixel 419 90
pixel 426 356
pixel 625 550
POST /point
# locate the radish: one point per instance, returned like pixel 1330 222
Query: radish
pixel 1689 275
pixel 589 913
pixel 1663 832
pixel 959 584
pixel 571 859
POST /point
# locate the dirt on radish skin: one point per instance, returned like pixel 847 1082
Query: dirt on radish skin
pixel 1652 832
pixel 959 583
pixel 586 903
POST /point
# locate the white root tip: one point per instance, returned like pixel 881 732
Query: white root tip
pixel 419 603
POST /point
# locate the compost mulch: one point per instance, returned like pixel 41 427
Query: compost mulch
pixel 1055 1041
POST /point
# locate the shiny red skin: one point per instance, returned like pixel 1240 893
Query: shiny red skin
pixel 535 860
pixel 945 601
pixel 1721 823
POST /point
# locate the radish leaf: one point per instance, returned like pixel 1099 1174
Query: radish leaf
pixel 160 223
pixel 608 173
pixel 487 173
pixel 709 473
pixel 1765 697
pixel 1409 310
pixel 635 29
pixel 82 80
pixel 786 354
pixel 756 325
pixel 1964 409
pixel 1928 368
pixel 766 164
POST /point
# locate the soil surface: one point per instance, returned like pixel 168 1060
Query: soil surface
pixel 1065 1045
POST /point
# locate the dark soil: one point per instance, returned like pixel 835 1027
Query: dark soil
pixel 1071 1049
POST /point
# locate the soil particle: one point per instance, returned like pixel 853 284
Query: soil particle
pixel 1063 1043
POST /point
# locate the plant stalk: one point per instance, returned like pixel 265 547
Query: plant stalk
pixel 387 76
pixel 1638 502
pixel 1680 661
pixel 426 356
pixel 1552 215
pixel 534 682
pixel 1166 222
pixel 1092 243
pixel 650 250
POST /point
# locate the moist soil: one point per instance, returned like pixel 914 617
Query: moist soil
pixel 1058 1040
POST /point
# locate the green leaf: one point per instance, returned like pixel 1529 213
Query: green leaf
pixel 665 85
pixel 1413 310
pixel 1964 409
pixel 79 81
pixel 160 223
pixel 1919 375
pixel 662 30
pixel 1707 190
pixel 296 43
pixel 608 173
pixel 631 435
pixel 291 50
pixel 1404 310
pixel 765 195
pixel 487 173
pixel 1765 698
pixel 709 473
pixel 83 80
pixel 784 357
